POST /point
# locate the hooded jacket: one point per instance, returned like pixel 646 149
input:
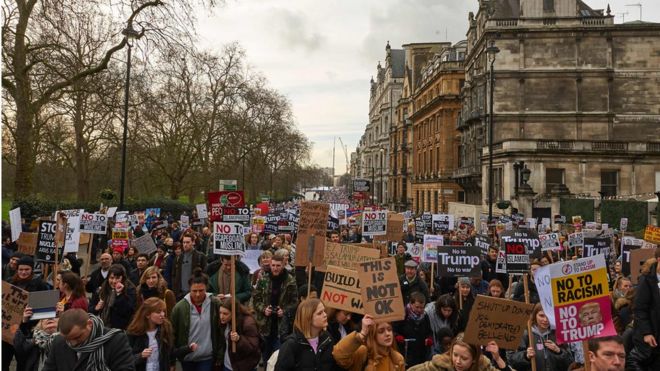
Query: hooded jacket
pixel 352 355
pixel 546 360
pixel 297 355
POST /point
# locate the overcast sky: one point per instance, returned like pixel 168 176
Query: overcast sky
pixel 321 54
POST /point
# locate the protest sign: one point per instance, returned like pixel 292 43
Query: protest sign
pixel 93 223
pixel 580 294
pixel 214 206
pixel 185 221
pixel 311 233
pixel 236 215
pixel 111 211
pixel 258 223
pixel 72 240
pixel 415 251
pixel 652 234
pixel 500 263
pixel 394 228
pixel 361 185
pixel 122 217
pixel 43 304
pixel 519 247
pixel 46 242
pixel 623 224
pixel 459 261
pixel 14 300
pixel 16 225
pixel 637 259
pixel 576 240
pixel 202 213
pixel 550 242
pixel 559 219
pixel 544 289
pixel 627 245
pixel 531 223
pixel 348 256
pixel 228 239
pixel 120 233
pixel 341 290
pixel 119 244
pixel 428 222
pixel 483 242
pixel 442 223
pixel 420 230
pixel 374 223
pixel 380 289
pixel 501 320
pixel 145 244
pixel 27 243
pixel 598 246
pixel 430 248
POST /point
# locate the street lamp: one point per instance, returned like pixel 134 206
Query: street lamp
pixel 492 51
pixel 382 163
pixel 130 34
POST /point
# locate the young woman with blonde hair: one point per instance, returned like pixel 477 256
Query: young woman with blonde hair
pixel 153 285
pixel 465 357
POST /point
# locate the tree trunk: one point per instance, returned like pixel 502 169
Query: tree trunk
pixel 25 156
pixel 81 166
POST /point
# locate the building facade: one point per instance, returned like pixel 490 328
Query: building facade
pixel 436 106
pixel 576 101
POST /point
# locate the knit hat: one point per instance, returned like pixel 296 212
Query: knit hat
pixel 118 249
pixel 26 260
pixel 464 281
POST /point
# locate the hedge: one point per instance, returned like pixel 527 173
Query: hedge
pixel 611 212
pixel 574 206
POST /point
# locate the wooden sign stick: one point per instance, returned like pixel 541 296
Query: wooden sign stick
pixel 89 254
pixel 585 350
pixel 432 276
pixel 233 299
pixel 310 257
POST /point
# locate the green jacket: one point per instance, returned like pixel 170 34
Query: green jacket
pixel 288 301
pixel 243 286
pixel 181 324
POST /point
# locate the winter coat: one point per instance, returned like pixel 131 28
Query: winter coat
pixel 546 360
pixel 333 329
pixel 488 273
pixel 242 281
pixel 116 354
pixel 122 310
pixel 198 261
pixel 419 331
pixel 519 292
pixel 25 349
pixel 352 355
pixel 437 323
pixel 167 297
pixel 181 324
pixel 95 281
pixel 408 287
pixel 32 285
pixel 443 362
pixel 248 347
pixel 288 301
pixel 297 355
pixel 647 306
pixel 167 354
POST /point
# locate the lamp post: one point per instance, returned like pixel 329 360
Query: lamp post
pixel 130 34
pixel 492 51
pixel 373 184
pixel 382 163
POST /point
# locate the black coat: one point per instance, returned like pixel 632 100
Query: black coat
pixel 95 281
pixel 167 354
pixel 25 349
pixel 647 306
pixel 418 331
pixel 297 355
pixel 408 288
pixel 121 311
pixel 519 292
pixel 116 352
pixel 32 285
pixel 488 273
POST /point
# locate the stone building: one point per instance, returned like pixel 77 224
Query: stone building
pixel 576 101
pixel 436 106
pixel 401 138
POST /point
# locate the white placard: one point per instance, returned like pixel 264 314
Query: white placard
pixel 15 221
pixel 94 223
pixel 202 213
pixel 111 212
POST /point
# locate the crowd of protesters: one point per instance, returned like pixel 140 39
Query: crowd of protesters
pixel 148 312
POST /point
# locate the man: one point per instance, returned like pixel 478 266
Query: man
pixel 207 240
pixel 401 257
pixel 11 267
pixel 607 354
pixel 84 344
pixel 264 263
pixel 334 237
pixel 185 265
pixel 118 258
pixel 479 286
pixel 176 231
pixel 220 279
pixel 275 294
pixel 142 262
pixel 645 354
pixel 98 276
pixel 410 282
pixel 488 268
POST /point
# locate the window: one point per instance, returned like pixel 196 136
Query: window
pixel 609 182
pixel 553 177
pixel 497 184
pixel 549 5
pixel 461 196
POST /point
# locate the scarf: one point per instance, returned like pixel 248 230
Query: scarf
pixel 43 341
pixel 412 315
pixel 105 311
pixel 94 345
pixel 149 292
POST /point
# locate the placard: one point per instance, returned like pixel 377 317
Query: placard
pixel 576 240
pixel 145 244
pixel 374 223
pixel 637 259
pixel 14 300
pixel 550 242
pixel 228 239
pixel 43 304
pixel 420 229
pixel 111 211
pixel 348 256
pixel 430 248
pixel 580 294
pixel 652 234
pixel 623 224
pixel 459 261
pixel 311 233
pixel 16 225
pixel 201 211
pixel 627 245
pixel 46 242
pixel 341 290
pixel 94 223
pixel 395 224
pixel 72 240
pixel 442 223
pixel 483 242
pixel 27 243
pixel 380 289
pixel 236 215
pixel 519 247
pixel 501 320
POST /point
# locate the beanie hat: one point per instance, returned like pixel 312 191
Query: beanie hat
pixel 26 260
pixel 464 281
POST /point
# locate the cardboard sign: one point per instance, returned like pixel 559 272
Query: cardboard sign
pixel 576 240
pixel 374 223
pixel 341 290
pixel 94 223
pixel 16 225
pixel 652 234
pixel 580 294
pixel 27 243
pixel 637 259
pixel 46 242
pixel 43 304
pixel 430 248
pixel 348 256
pixel 228 239
pixel 380 289
pixel 145 244
pixel 14 301
pixel 442 223
pixel 311 233
pixel 459 261
pixel 497 319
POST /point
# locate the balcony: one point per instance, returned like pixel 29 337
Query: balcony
pixel 467 171
pixel 544 22
pixel 576 146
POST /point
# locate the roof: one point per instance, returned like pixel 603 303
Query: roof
pixel 398 62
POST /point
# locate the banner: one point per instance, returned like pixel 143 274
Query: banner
pixel 580 294
pixel 652 234
pixel 430 248
pixel 348 256
pixel 145 244
pixel 374 223
pixel 228 239
pixel 442 223
pixel 341 290
pixel 46 242
pixel 16 223
pixel 380 289
pixel 501 320
pixel 459 261
pixel 14 300
pixel 94 223
pixel 550 242
pixel 312 227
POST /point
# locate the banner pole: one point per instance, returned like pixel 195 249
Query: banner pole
pixel 432 275
pixel 585 350
pixel 233 299
pixel 89 254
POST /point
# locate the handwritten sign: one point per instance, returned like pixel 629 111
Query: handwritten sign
pixel 341 290
pixel 380 289
pixel 27 243
pixel 228 239
pixel 311 239
pixel 652 234
pixel 14 301
pixel 348 256
pixel 145 244
pixel 497 319
pixel 459 261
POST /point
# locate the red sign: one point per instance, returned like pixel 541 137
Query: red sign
pixel 358 196
pixel 218 200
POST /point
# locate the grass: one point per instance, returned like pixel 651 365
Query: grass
pixel 6 206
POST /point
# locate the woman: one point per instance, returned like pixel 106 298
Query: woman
pixel 159 258
pixel 72 293
pixel 549 356
pixel 151 338
pixel 152 284
pixel 465 357
pixel 252 242
pixel 465 298
pixel 114 302
pixel 246 337
pixel 310 345
pixel 33 346
pixel 496 288
pixel 169 272
pixel 131 257
pixel 443 314
pixel 371 349
pixel 339 324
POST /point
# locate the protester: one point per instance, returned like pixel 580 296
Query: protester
pixel 607 354
pixel 442 314
pixel 115 300
pixel 519 292
pixel 246 337
pixel 464 296
pixel 252 242
pixel 72 293
pixel 158 260
pixel 169 272
pixel 85 344
pixel 220 279
pixel 118 258
pixel 100 274
pixel 10 268
pixel 463 356
pixel 414 333
pixel 310 345
pixel 372 348
pixel 131 257
pixel 479 286
pixel 410 282
pixel 401 257
pixel 496 289
pixel 185 264
pixel 339 324
pixel 32 346
pixel 264 263
pixel 141 263
pixel 152 284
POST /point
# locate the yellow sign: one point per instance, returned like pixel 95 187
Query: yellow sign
pixel 652 234
pixel 580 287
